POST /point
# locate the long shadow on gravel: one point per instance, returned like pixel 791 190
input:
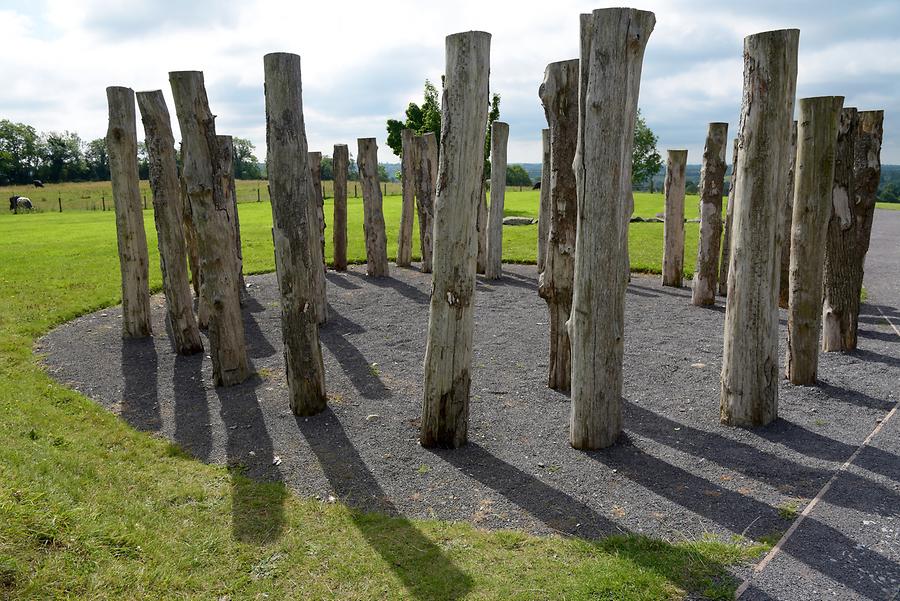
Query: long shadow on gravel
pixel 338 279
pixel 402 288
pixel 426 572
pixel 257 491
pixel 140 402
pixel 833 553
pixel 192 426
pixel 363 377
pixel 257 344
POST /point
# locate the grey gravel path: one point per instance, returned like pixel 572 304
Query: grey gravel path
pixel 676 473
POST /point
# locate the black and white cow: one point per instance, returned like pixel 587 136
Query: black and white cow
pixel 17 203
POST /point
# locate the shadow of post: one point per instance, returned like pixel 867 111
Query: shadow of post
pixel 140 402
pixel 361 373
pixel 424 569
pixel 192 426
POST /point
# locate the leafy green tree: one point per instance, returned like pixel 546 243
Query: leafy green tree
pixel 327 167
pixel 21 152
pixel 421 119
pixel 493 115
pixel 517 176
pixel 97 158
pixel 246 165
pixel 889 192
pixel 382 173
pixel 645 159
pixel 63 159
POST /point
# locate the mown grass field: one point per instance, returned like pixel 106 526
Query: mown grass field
pixel 92 509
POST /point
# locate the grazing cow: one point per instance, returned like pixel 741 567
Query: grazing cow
pixel 38 183
pixel 19 202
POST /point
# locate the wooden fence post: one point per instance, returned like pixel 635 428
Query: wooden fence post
pixel 749 383
pixel 673 232
pixel 481 229
pixel 448 353
pixel 167 215
pixel 784 258
pixel 293 195
pixel 225 167
pixel 612 51
pixel 493 267
pixel 315 169
pixel 215 233
pixel 373 221
pixel 134 262
pixel 544 202
pixel 729 217
pixel 712 181
pixel 340 166
pixel 407 211
pixel 426 167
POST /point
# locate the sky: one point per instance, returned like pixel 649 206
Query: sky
pixel 364 61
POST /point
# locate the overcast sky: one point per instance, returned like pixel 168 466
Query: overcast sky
pixel 364 61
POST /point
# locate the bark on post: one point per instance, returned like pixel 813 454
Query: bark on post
pixel 408 185
pixel 814 178
pixel 559 96
pixel 544 206
pixel 167 213
pixel 857 171
pixel 426 168
pixel 134 263
pixel 493 267
pixel 729 218
pixel 315 170
pixel 226 170
pixel 373 221
pixel 673 232
pixel 215 233
pixel 787 208
pixel 749 383
pixel 612 51
pixel 481 227
pixel 340 166
pixel 292 192
pixel 712 180
pixel 448 353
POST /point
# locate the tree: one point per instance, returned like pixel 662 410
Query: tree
pixel 246 165
pixel 327 168
pixel 420 119
pixel 645 159
pixel 63 159
pixel 97 159
pixel 493 115
pixel 890 192
pixel 382 173
pixel 517 176
pixel 21 151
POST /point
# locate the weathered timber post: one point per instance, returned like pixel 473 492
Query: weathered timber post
pixel 559 96
pixel 481 228
pixel 729 218
pixel 215 233
pixel 673 228
pixel 167 213
pixel 426 168
pixel 190 240
pixel 544 202
pixel 315 169
pixel 814 178
pixel 448 352
pixel 134 262
pixel 373 221
pixel 712 180
pixel 340 165
pixel 493 267
pixel 857 171
pixel 749 383
pixel 408 192
pixel 225 168
pixel 612 51
pixel 787 215
pixel 292 193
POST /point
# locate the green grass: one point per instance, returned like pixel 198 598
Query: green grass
pixel 888 206
pixel 90 508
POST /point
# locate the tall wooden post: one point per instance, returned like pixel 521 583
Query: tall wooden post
pixel 408 192
pixel 729 218
pixel 673 228
pixel 448 353
pixel 426 168
pixel 787 215
pixel 134 262
pixel 316 224
pixel 340 165
pixel 559 96
pixel 481 229
pixel 819 118
pixel 292 192
pixel 612 51
pixel 315 170
pixel 749 383
pixel 226 169
pixel 493 267
pixel 712 181
pixel 857 171
pixel 167 213
pixel 215 233
pixel 544 202
pixel 373 222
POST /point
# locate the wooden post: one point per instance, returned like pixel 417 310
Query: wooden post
pixel 167 215
pixel 559 96
pixel 316 225
pixel 315 169
pixel 857 171
pixel 814 177
pixel 612 51
pixel 59 200
pixel 134 263
pixel 749 383
pixel 729 217
pixel 293 196
pixel 426 167
pixel 215 233
pixel 373 221
pixel 408 190
pixel 481 229
pixel 448 352
pixel 225 167
pixel 712 180
pixel 340 166
pixel 544 206
pixel 673 232
pixel 493 267
pixel 784 257
pixel 193 251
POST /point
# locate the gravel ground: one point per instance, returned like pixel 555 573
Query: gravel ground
pixel 675 474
